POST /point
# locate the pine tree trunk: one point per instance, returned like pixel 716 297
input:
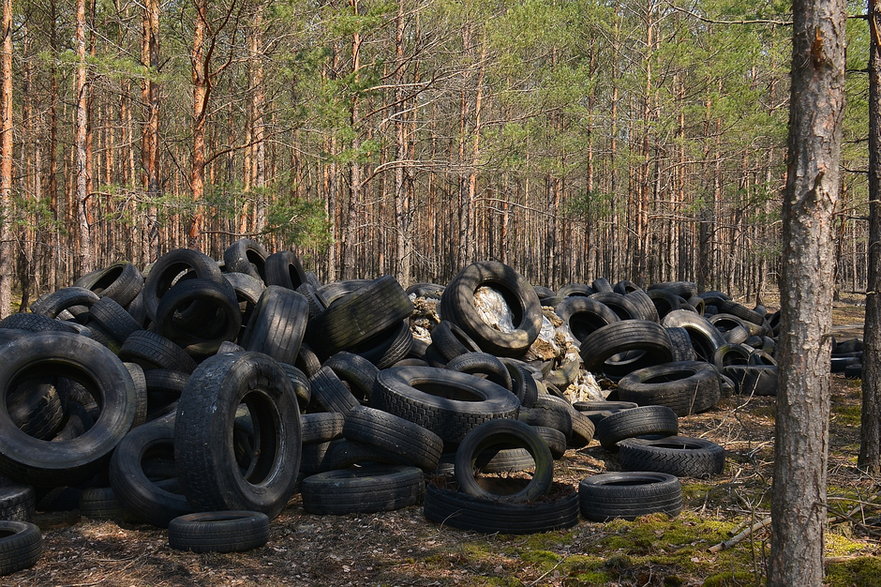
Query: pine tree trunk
pixel 82 199
pixel 798 504
pixel 870 423
pixel 200 118
pixel 6 249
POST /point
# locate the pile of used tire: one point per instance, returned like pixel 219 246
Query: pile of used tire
pixel 202 395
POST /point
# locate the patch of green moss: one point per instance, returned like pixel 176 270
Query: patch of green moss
pixel 838 545
pixel 543 558
pixel 846 414
pixel 503 581
pixel 476 552
pixel 549 540
pixel 698 491
pixel 859 571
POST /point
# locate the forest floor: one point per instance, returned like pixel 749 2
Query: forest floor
pixel 402 548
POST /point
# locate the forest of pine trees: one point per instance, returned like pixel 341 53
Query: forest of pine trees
pixel 641 140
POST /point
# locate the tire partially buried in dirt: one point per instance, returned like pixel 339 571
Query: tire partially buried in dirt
pixel 448 403
pixel 458 305
pixel 210 475
pixel 463 511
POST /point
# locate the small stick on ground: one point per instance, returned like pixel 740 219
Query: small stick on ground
pixel 740 537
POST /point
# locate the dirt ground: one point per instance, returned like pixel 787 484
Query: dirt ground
pixel 402 548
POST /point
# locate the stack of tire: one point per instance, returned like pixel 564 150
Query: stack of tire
pixel 202 395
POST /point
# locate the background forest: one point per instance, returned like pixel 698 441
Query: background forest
pixel 571 139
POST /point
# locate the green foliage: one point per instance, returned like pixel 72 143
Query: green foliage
pixel 299 222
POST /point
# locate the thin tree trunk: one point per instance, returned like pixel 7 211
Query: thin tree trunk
pixel 150 130
pixel 798 505
pixel 200 118
pixel 6 249
pixel 83 202
pixel 870 422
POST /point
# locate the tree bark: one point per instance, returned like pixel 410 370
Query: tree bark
pixel 150 129
pixel 870 422
pixel 798 504
pixel 200 118
pixel 82 199
pixel 6 249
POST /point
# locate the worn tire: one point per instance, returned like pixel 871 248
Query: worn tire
pixel 368 489
pixel 221 531
pixel 21 544
pixel 641 421
pixel 687 387
pixel 628 495
pixel 209 473
pixel 628 335
pixel 676 455
pixel 458 305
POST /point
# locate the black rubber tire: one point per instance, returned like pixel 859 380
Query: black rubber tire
pixel 680 342
pixel 223 531
pixel 450 341
pixel 640 421
pixel 601 285
pixel 416 445
pixel 854 371
pixel 728 322
pixel 277 324
pixel 547 415
pixel 246 256
pixel 35 323
pixel 120 281
pixel 215 304
pixel 387 347
pixel 504 434
pixel 17 502
pixel 27 459
pixel 584 315
pixel 355 370
pixel 112 319
pixel 575 289
pixel 331 394
pixel 619 304
pixel 248 291
pixel 704 337
pixel 321 427
pixel 483 364
pixel 458 305
pixel 101 503
pixel 685 289
pixel 627 335
pixel 625 286
pixel 154 351
pixel 552 437
pixel 148 500
pixel 208 471
pixel 426 290
pixel 523 384
pixel 301 384
pixel 368 489
pixel 446 402
pixel 52 304
pixel 331 292
pixel 284 269
pixel 644 303
pixel 741 311
pixel 307 361
pixel 732 354
pixel 21 544
pixel 169 268
pixel 687 387
pixel 676 455
pixel 35 407
pixel 628 495
pixel 753 379
pixel 463 511
pixel 358 316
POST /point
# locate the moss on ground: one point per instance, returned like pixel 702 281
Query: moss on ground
pixel 864 571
